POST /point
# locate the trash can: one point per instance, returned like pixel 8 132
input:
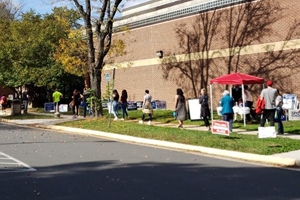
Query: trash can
pixel 15 107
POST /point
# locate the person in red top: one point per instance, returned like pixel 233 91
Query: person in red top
pixel 3 101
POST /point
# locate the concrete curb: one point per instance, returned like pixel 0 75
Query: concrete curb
pixel 264 159
pixel 272 160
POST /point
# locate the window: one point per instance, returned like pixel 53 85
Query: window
pixel 191 10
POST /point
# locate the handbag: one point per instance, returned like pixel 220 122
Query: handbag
pixel 72 103
pixel 276 115
pixel 174 114
pixel 82 103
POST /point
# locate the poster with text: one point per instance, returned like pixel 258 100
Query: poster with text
pixel 289 101
pixel 220 127
pixel 63 107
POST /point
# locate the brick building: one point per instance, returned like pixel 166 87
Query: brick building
pixel 200 40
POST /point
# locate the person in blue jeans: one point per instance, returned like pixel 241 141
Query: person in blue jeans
pixel 115 104
pixel 227 103
pixel 278 103
pixel 124 103
pixel 84 103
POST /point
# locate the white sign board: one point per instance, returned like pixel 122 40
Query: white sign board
pixel 266 132
pixel 63 107
pixel 294 114
pixel 194 109
pixel 289 101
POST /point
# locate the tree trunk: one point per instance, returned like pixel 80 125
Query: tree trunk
pixel 87 80
pixel 96 85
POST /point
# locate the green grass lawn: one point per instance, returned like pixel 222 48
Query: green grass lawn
pixel 236 142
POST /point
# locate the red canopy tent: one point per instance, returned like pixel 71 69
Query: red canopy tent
pixel 234 79
pixel 237 78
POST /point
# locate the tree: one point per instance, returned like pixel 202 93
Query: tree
pixel 28 46
pixel 98 48
pixel 9 10
pixel 71 53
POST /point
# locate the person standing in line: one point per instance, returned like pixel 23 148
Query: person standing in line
pixel 147 108
pixel 227 103
pixel 269 95
pixel 115 103
pixel 205 112
pixel 25 99
pixel 236 93
pixel 3 102
pixel 83 105
pixel 124 103
pixel 76 103
pixel 279 103
pixel 56 99
pixel 248 103
pixel 180 107
pixel 84 96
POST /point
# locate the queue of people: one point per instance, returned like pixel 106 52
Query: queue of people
pixel 271 96
pixel 271 109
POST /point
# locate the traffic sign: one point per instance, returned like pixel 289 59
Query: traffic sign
pixel 107 77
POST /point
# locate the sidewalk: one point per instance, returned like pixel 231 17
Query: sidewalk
pixel 289 159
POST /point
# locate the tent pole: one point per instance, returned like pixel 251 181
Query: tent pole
pixel 243 105
pixel 211 103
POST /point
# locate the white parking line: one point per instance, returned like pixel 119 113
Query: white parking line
pixel 15 166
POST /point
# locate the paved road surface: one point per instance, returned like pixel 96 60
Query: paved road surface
pixel 55 165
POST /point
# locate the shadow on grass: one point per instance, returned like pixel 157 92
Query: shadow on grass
pixel 231 138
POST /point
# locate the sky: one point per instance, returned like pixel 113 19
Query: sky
pixel 44 6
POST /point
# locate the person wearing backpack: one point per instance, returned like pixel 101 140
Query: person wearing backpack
pixel 205 112
pixel 269 95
